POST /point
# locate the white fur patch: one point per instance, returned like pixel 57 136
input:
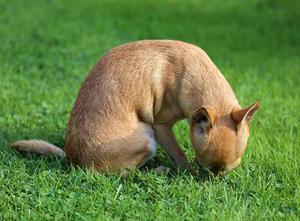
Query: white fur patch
pixel 152 144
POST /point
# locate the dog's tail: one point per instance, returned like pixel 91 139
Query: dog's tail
pixel 38 146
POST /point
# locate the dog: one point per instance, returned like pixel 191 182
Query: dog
pixel 132 98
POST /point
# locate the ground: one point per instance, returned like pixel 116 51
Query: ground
pixel 48 47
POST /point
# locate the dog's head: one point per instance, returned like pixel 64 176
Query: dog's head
pixel 219 141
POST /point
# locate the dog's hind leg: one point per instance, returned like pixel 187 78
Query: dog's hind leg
pixel 129 147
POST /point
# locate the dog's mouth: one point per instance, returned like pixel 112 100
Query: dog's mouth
pixel 216 170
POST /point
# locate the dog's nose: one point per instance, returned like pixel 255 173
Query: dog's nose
pixel 218 170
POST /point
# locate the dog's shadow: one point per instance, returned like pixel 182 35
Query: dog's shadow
pixel 36 163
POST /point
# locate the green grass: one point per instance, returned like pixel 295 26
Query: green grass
pixel 48 47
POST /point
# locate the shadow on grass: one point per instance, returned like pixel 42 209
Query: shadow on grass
pixel 32 162
pixel 36 163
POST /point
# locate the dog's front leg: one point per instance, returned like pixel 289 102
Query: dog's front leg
pixel 165 137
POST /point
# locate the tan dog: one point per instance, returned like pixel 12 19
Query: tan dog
pixel 133 97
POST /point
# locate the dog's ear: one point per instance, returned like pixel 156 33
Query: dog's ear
pixel 245 114
pixel 205 117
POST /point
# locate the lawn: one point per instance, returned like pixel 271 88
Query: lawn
pixel 48 47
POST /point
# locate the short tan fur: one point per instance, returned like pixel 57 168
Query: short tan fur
pixel 136 93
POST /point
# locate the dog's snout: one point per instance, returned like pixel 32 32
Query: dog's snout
pixel 217 170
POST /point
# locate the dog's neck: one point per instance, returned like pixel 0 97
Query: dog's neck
pixel 211 90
